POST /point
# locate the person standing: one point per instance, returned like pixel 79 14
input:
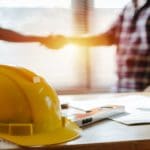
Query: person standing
pixel 131 33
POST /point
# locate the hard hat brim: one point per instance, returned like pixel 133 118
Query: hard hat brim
pixel 61 135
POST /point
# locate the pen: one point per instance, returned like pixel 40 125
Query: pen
pixel 66 106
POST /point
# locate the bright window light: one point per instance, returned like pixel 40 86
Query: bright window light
pixel 110 3
pixel 36 3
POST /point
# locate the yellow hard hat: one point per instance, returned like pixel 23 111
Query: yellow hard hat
pixel 30 112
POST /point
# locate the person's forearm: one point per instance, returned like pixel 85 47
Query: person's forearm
pixel 12 36
pixel 23 39
pixel 97 40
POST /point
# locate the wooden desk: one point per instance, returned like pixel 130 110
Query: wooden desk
pixel 107 134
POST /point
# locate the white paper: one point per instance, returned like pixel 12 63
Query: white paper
pixel 133 118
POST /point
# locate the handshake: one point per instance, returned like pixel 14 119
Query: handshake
pixel 57 41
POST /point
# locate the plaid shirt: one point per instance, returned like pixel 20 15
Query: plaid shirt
pixel 132 36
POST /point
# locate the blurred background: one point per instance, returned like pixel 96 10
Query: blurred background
pixel 72 69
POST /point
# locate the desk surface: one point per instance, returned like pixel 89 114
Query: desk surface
pixel 106 134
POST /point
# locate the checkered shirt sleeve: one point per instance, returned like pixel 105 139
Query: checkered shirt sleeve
pixel 133 50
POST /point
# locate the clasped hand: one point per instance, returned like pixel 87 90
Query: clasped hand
pixel 54 41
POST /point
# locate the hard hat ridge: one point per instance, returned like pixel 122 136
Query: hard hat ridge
pixel 30 111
